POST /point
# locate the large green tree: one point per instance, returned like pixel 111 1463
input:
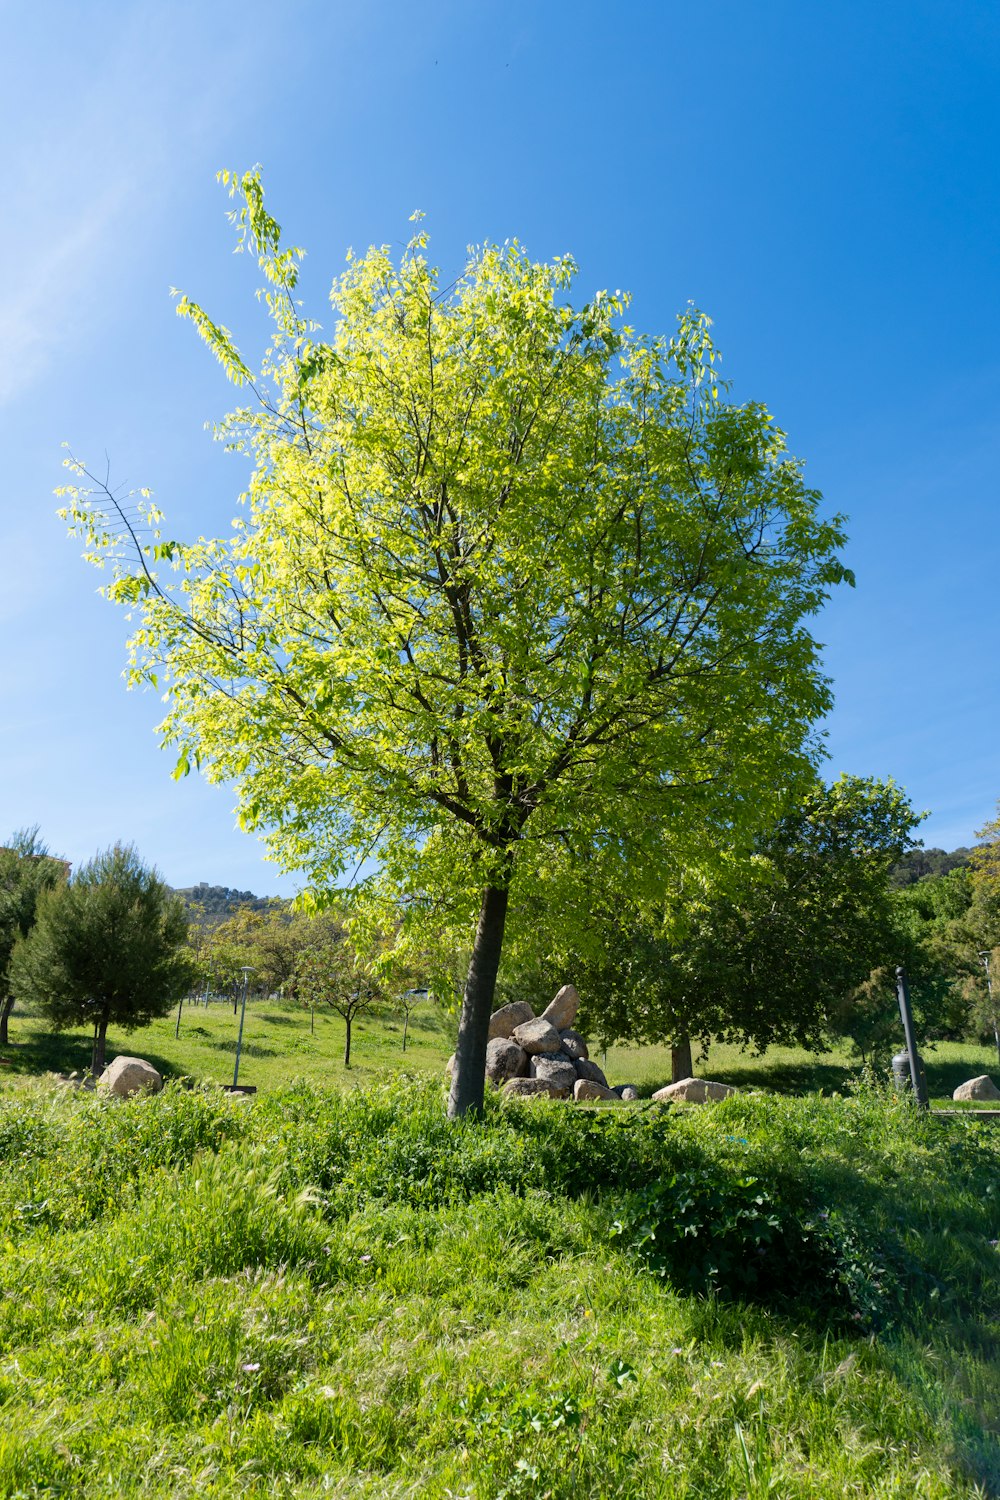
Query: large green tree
pixel 510 581
pixel 770 950
pixel 26 869
pixel 107 947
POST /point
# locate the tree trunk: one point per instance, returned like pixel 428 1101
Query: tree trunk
pixel 468 1080
pixel 681 1065
pixel 100 1046
pixel 5 1010
pixel 347 1040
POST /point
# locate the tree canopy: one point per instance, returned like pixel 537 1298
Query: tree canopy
pixel 512 583
pixel 770 952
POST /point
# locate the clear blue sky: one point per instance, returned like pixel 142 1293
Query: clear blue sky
pixel 821 179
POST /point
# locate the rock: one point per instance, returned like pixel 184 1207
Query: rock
pixel 505 1059
pixel 589 1070
pixel 130 1075
pixel 537 1036
pixel 561 1012
pixel 557 1071
pixel 528 1088
pixel 982 1087
pixel 626 1091
pixel 694 1091
pixel 503 1021
pixel 573 1043
pixel 450 1065
pixel 585 1088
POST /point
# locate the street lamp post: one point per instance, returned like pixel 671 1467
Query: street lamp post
pixel 413 996
pixel 247 970
pixel 917 1081
pixel 984 958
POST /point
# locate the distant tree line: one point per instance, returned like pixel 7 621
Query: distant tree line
pixel 796 941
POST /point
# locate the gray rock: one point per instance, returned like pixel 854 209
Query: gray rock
pixel 982 1087
pixel 559 1072
pixel 627 1092
pixel 589 1070
pixel 585 1088
pixel 505 1059
pixel 528 1088
pixel 573 1043
pixel 130 1075
pixel 450 1064
pixel 537 1036
pixel 503 1021
pixel 561 1012
pixel 694 1091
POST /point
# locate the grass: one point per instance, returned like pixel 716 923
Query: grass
pixel 279 1048
pixel 329 1292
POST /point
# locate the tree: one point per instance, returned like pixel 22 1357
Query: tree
pixel 108 946
pixel 513 580
pixel 332 974
pixel 26 869
pixel 771 950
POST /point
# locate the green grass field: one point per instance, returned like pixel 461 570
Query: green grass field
pixel 279 1048
pixel 335 1292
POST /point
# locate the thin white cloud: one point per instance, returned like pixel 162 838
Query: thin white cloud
pixel 88 170
pixel 38 307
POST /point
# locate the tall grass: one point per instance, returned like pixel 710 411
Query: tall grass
pixel 321 1292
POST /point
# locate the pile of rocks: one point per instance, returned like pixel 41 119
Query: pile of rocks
pixel 528 1054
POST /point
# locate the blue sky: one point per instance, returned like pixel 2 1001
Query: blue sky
pixel 821 179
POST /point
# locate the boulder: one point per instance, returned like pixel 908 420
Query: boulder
pixel 557 1071
pixel 528 1088
pixel 505 1059
pixel 573 1043
pixel 626 1091
pixel 503 1021
pixel 450 1064
pixel 694 1091
pixel 585 1088
pixel 561 1012
pixel 982 1087
pixel 589 1070
pixel 130 1075
pixel 537 1036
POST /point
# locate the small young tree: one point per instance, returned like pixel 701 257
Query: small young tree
pixel 108 946
pixel 26 869
pixel 332 974
pixel 512 579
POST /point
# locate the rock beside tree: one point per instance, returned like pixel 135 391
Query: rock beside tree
pixel 693 1091
pixel 531 1056
pixel 130 1075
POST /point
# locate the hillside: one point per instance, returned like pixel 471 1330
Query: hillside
pixel 210 905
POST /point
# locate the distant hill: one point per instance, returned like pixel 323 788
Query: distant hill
pixel 919 863
pixel 209 905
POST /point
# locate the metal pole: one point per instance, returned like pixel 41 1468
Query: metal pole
pixel 985 956
pixel 917 1079
pixel 177 1028
pixel 243 1014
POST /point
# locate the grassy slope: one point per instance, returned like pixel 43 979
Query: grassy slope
pixel 448 1312
pixel 279 1048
